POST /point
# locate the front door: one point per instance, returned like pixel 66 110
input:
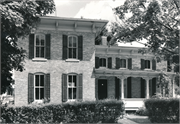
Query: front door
pixel 102 89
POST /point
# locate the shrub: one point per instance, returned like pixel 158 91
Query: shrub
pixel 163 110
pixel 105 111
pixel 142 111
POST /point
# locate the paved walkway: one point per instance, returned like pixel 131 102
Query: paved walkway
pixel 134 119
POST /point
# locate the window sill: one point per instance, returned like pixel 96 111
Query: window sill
pixel 71 100
pixel 123 68
pixel 72 60
pixel 39 60
pixel 147 69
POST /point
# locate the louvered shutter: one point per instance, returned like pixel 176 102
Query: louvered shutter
pixel 142 88
pixel 30 88
pixel 64 87
pixel 130 63
pixel 153 86
pixel 110 62
pixel 80 47
pixel 153 64
pixel 48 46
pixel 129 87
pixel 117 63
pixel 80 87
pixel 31 46
pixel 142 64
pixel 96 62
pixel 65 47
pixel 47 86
pixel 117 88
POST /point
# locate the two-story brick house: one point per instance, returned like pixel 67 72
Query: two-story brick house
pixel 64 64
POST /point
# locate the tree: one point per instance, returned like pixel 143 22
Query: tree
pixel 156 21
pixel 17 20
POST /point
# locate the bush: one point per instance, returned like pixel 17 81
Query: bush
pixel 142 111
pixel 105 111
pixel 163 110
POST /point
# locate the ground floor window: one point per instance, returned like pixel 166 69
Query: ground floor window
pixel 39 87
pixel 72 79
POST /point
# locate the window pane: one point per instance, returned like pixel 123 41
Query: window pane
pixel 42 52
pixel 70 78
pixel 70 93
pixel 37 39
pixel 74 53
pixel 74 80
pixel 41 93
pixel 37 51
pixel 41 80
pixel 101 62
pixel 123 63
pixel 104 62
pixel 74 93
pixel 148 64
pixel 74 42
pixel 70 41
pixel 37 93
pixel 42 42
pixel 37 80
pixel 70 52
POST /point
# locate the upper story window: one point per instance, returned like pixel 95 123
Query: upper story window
pixel 72 47
pixel 123 63
pixel 39 46
pixel 147 64
pixel 102 62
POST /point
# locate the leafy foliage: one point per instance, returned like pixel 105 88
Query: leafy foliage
pixel 105 111
pixel 163 110
pixel 156 21
pixel 18 18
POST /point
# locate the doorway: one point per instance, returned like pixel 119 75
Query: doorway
pixel 102 89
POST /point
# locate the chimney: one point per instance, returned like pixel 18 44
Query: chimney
pixel 104 40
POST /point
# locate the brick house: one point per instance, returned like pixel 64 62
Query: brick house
pixel 64 64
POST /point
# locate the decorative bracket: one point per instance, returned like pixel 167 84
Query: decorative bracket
pixel 57 24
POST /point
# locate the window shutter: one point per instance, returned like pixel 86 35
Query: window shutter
pixel 80 47
pixel 110 62
pixel 64 87
pixel 130 63
pixel 153 86
pixel 31 46
pixel 129 87
pixel 142 88
pixel 142 64
pixel 117 63
pixel 47 86
pixel 65 47
pixel 96 62
pixel 153 64
pixel 117 88
pixel 30 88
pixel 80 88
pixel 48 46
pixel 168 66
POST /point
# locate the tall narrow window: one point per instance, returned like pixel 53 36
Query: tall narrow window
pixel 123 63
pixel 147 64
pixel 72 80
pixel 72 47
pixel 40 46
pixel 39 87
pixel 102 62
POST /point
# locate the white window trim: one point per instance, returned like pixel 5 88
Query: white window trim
pixel 38 58
pixel 76 48
pixel 71 100
pixel 38 100
pixel 126 63
pixel 150 65
pixel 102 67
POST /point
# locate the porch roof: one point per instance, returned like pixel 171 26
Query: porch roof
pixel 124 73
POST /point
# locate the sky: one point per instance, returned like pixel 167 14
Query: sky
pixel 90 9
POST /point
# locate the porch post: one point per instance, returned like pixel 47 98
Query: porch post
pixel 122 88
pixel 173 90
pixel 147 88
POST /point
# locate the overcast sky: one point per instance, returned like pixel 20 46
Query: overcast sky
pixel 92 9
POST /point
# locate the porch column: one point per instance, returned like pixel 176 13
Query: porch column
pixel 173 90
pixel 122 88
pixel 147 88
